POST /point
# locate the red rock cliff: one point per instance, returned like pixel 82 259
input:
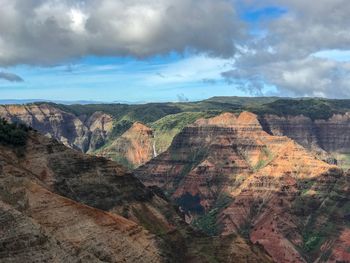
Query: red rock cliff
pixel 269 188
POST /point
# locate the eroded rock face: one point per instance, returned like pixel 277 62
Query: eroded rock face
pixel 330 135
pixel 58 204
pixel 84 134
pixel 133 148
pixel 231 176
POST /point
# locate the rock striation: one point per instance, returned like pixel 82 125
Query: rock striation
pixel 230 176
pixel 82 133
pixel 93 132
pixel 133 148
pixel 60 205
pixel 331 134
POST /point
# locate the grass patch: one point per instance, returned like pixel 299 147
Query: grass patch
pixel 166 128
pixel 343 160
pixel 265 158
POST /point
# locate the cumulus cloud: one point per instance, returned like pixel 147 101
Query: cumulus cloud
pixel 46 32
pixel 10 77
pixel 311 76
pixel 284 56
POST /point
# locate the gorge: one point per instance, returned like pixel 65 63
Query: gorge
pixel 243 177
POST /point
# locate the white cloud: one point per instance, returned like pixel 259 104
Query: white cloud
pixel 49 31
pixel 294 54
pixel 192 69
pixel 311 76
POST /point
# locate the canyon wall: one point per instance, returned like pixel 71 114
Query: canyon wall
pixel 58 204
pixel 78 132
pixel 230 176
pixel 133 148
pixel 93 133
pixel 330 135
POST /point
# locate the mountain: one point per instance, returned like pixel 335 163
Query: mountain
pixel 61 205
pixel 27 101
pixel 319 125
pixel 268 175
pixel 85 133
pixel 230 176
pixel 134 147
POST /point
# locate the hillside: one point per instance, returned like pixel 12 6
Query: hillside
pixel 57 204
pixel 230 176
pixel 318 124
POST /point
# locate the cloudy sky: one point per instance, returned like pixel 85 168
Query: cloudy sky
pixel 168 50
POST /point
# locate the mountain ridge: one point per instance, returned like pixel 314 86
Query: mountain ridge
pixel 60 204
pixel 230 176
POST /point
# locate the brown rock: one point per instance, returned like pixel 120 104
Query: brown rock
pixel 265 187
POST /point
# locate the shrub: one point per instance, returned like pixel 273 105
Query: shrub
pixel 13 134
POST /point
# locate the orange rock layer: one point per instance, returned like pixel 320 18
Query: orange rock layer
pixel 275 192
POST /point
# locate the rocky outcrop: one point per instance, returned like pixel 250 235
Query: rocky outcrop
pixel 330 135
pixel 84 133
pixel 230 176
pixel 58 204
pixel 133 148
pixel 38 224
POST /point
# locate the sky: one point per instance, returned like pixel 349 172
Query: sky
pixel 173 50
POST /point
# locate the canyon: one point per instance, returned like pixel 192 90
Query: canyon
pixel 133 148
pixel 61 205
pixel 227 183
pixel 78 132
pixel 98 131
pixel 230 176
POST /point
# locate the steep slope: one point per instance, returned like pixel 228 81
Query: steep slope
pixel 230 176
pixel 39 225
pixel 330 135
pixel 83 133
pixel 134 147
pixel 57 204
pixel 319 125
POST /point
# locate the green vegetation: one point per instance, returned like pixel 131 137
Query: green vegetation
pixel 168 119
pixel 119 127
pixel 311 242
pixel 322 213
pixel 313 108
pixel 13 134
pixel 166 128
pixel 265 158
pixel 343 160
pixel 144 113
pixel 256 207
pixel 123 161
pixel 243 102
pixel 314 237
pixel 208 222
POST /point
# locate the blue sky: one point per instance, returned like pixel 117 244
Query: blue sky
pixel 143 51
pixel 161 78
pixel 158 78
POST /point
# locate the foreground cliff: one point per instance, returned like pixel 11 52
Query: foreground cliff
pixel 59 205
pixel 230 176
